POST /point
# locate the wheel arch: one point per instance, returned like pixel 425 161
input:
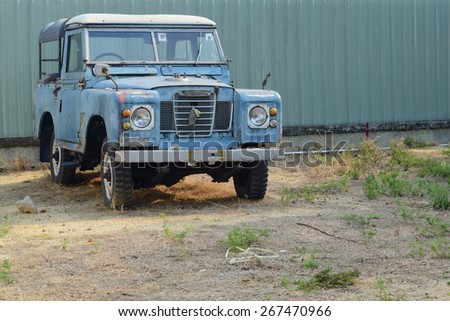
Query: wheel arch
pixel 46 128
pixel 96 132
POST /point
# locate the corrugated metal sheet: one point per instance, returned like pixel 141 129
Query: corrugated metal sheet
pixel 333 61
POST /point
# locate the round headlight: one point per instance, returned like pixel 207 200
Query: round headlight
pixel 258 116
pixel 141 117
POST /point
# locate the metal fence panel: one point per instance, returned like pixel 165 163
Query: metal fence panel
pixel 333 61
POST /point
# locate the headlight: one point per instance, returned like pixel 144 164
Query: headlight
pixel 141 117
pixel 257 116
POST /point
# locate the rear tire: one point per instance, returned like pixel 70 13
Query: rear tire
pixel 117 181
pixel 251 182
pixel 63 175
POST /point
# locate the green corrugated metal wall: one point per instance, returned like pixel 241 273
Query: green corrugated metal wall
pixel 333 61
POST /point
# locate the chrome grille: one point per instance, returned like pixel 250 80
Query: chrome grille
pixel 215 115
pixel 188 102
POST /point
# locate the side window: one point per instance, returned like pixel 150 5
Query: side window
pixel 75 54
pixel 50 58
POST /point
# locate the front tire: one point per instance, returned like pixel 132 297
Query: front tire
pixel 251 182
pixel 117 181
pixel 63 175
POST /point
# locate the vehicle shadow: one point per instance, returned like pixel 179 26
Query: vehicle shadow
pixel 84 200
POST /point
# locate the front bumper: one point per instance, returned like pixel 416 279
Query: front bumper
pixel 199 156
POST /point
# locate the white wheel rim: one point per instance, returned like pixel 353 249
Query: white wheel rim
pixel 56 163
pixel 107 168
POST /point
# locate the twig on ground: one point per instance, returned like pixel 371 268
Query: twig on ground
pixel 328 234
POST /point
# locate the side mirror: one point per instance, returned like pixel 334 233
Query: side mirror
pixel 101 70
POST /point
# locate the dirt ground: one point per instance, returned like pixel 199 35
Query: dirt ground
pixel 75 249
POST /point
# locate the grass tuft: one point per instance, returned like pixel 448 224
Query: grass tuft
pixel 244 237
pixel 5 275
pixel 439 197
pixel 327 280
pixel 4 230
pixel 418 142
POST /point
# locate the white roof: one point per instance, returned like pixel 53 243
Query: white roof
pixel 158 19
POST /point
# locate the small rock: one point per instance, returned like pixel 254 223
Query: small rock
pixel 359 260
pixel 26 205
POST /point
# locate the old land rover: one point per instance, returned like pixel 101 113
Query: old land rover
pixel 150 99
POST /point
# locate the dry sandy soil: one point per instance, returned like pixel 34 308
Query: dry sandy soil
pixel 75 249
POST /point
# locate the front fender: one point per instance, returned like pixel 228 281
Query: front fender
pixel 105 104
pixel 249 97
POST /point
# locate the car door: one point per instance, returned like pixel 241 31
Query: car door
pixel 69 96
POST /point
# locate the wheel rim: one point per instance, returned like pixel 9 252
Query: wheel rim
pixel 107 174
pixel 56 159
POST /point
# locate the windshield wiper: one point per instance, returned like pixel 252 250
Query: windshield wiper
pixel 198 53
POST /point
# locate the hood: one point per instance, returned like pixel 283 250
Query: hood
pixel 152 82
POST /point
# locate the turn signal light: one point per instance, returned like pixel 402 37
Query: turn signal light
pixel 126 113
pixel 273 111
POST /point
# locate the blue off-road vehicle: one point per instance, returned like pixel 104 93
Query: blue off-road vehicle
pixel 149 98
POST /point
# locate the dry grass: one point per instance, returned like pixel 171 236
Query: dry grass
pixel 17 164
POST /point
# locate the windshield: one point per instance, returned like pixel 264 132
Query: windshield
pixel 157 46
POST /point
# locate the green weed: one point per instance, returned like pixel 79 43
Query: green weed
pixel 45 236
pixel 418 250
pixel 420 188
pixel 333 186
pixel 435 168
pixel 284 281
pixel 439 197
pixel 400 154
pixel 4 230
pixel 446 151
pixel 436 227
pixel 300 253
pixel 301 250
pixel 243 237
pixel 95 248
pixel 65 245
pixel 364 224
pixel 371 188
pixel 418 142
pixel 369 156
pixel 392 185
pixel 327 280
pixel 5 275
pixel 311 263
pixel 178 237
pixel 383 294
pixel 309 193
pixel 406 215
pixel 441 247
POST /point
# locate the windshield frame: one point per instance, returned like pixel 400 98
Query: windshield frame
pixel 221 60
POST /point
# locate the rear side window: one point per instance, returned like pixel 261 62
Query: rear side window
pixel 50 58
